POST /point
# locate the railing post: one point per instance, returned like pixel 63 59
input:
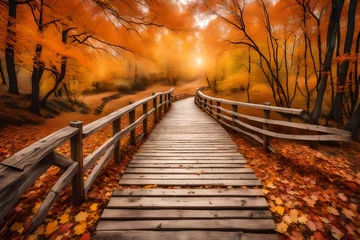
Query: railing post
pixel 117 150
pixel 165 105
pixel 132 120
pixel 266 127
pixel 234 108
pixel 145 122
pixel 156 110
pixel 210 107
pixel 161 106
pixel 170 99
pixel 205 102
pixel 218 111
pixel 76 145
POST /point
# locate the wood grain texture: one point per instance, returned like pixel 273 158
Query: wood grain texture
pixel 34 153
pixel 188 149
pixel 183 235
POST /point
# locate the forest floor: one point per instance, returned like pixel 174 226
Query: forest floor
pixel 312 190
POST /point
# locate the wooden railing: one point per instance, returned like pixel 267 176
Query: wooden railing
pixel 216 108
pixel 21 170
pixel 182 96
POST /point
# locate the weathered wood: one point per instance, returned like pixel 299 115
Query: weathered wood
pixel 34 153
pixel 180 165
pixel 304 126
pixel 160 106
pixel 134 214
pixel 175 235
pixel 96 171
pixel 292 111
pixel 91 128
pixel 52 196
pixel 188 170
pixel 11 194
pixel 190 176
pixel 249 225
pixel 156 109
pixel 266 127
pixel 59 160
pixel 76 145
pixel 233 192
pixel 186 161
pixel 131 121
pixel 117 150
pixel 188 203
pixel 145 122
pixel 191 182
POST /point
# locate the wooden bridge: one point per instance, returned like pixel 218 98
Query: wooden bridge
pixel 197 184
pixel 188 149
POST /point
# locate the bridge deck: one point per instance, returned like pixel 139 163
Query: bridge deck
pixel 188 149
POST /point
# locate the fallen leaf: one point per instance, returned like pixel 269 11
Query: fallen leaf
pixel 349 214
pixel 94 207
pixel 16 226
pixel 36 207
pixel 287 219
pixel 293 214
pixel 51 227
pixel 80 228
pixel 282 227
pixel 81 216
pixel 302 219
pixel 279 210
pixel 318 236
pixel 333 211
pixel 336 233
pixel 311 225
pixel 270 185
pixel 279 201
pixel 64 218
pixel 342 197
pixel 325 220
pixel 85 236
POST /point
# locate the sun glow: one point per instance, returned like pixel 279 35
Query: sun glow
pixel 199 61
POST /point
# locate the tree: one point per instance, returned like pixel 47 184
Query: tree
pixel 2 73
pixel 333 28
pixel 344 67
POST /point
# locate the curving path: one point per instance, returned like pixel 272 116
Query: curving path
pixel 188 149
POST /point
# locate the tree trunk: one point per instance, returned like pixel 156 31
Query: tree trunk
pixel 60 78
pixel 2 74
pixel 249 73
pixel 9 51
pixel 337 107
pixel 333 28
pixel 353 124
pixel 207 79
pixel 38 70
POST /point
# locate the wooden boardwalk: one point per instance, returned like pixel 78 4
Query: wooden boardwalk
pixel 188 149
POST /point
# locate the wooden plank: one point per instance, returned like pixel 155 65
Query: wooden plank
pixel 134 214
pixel 190 182
pixel 250 225
pixel 34 153
pixel 10 195
pixel 176 235
pixel 189 154
pixel 199 161
pixel 188 171
pixel 188 203
pixel 187 151
pixel 189 176
pixel 137 157
pixel 184 165
pixel 96 171
pixel 234 192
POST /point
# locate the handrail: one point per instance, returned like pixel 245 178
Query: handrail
pixel 232 121
pixel 181 96
pixel 20 171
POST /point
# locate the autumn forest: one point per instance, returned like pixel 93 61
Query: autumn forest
pixel 65 60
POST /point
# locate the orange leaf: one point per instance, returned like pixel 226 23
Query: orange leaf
pixel 85 236
pixel 333 211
